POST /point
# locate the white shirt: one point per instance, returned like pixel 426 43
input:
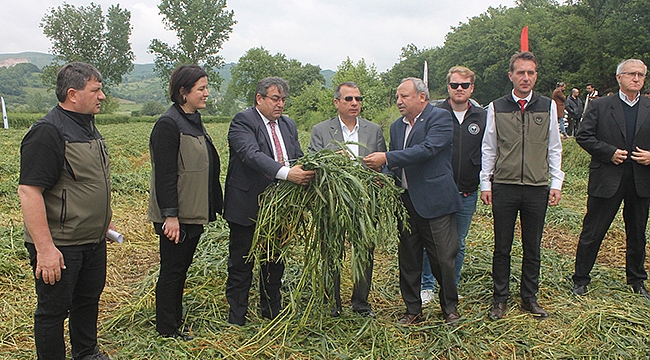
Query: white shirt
pixel 407 132
pixel 284 170
pixel 489 148
pixel 627 100
pixel 351 136
pixel 460 115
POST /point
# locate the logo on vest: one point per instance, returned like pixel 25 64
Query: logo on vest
pixel 474 129
pixel 538 120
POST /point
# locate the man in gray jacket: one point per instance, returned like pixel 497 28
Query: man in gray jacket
pixel 348 126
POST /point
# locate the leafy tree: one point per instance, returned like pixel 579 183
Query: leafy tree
pixel 202 26
pixel 84 34
pixel 258 63
pixel 151 108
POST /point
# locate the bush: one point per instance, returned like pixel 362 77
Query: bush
pixel 150 108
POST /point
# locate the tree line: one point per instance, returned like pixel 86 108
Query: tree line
pixel 576 42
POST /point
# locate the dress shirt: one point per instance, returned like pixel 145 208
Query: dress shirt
pixel 351 136
pixel 406 138
pixel 284 170
pixel 489 148
pixel 627 100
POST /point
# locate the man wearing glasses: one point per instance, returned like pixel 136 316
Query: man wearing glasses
pixel 522 152
pixel 469 126
pixel 263 143
pixel 348 126
pixel 615 130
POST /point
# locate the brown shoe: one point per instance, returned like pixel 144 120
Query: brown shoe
pixel 410 319
pixel 452 319
pixel 497 311
pixel 534 308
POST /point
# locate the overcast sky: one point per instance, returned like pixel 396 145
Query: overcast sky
pixel 320 32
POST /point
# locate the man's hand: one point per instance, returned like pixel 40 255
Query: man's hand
pixel 172 229
pixel 619 156
pixel 49 263
pixel 554 197
pixel 486 197
pixel 299 176
pixel 375 160
pixel 641 156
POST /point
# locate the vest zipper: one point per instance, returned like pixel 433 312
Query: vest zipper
pixel 523 144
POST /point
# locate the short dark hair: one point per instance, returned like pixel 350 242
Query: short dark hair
pixel 337 92
pixel 74 75
pixel 589 84
pixel 182 81
pixel 266 83
pixel 522 55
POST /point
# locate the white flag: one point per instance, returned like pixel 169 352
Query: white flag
pixel 4 113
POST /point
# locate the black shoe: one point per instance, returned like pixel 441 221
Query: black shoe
pixel 365 313
pixel 640 289
pixel 497 311
pixel 335 312
pixel 178 335
pixel 96 356
pixel 579 290
pixel 534 308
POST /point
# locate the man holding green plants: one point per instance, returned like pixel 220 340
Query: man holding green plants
pixel 65 194
pixel 420 161
pixel 366 137
pixel 263 145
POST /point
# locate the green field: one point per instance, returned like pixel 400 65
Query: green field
pixel 609 323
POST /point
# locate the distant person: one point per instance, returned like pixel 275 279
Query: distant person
pixel 262 143
pixel 647 93
pixel 185 192
pixel 573 106
pixel 559 98
pixel 469 126
pixel 515 178
pixel 65 194
pixel 420 161
pixel 615 131
pixel 348 126
pixel 592 94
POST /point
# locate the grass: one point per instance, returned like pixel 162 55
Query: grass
pixel 609 323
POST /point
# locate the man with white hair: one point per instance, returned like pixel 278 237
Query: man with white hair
pixel 615 131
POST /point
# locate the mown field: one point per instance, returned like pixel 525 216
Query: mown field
pixel 609 323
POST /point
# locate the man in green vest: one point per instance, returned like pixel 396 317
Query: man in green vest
pixel 522 153
pixel 64 191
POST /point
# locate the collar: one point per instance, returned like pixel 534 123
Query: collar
pixel 527 98
pixel 264 119
pixel 356 125
pixel 627 100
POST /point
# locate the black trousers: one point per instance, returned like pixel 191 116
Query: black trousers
pixel 573 126
pixel 175 259
pixel 360 290
pixel 75 296
pixel 530 202
pixel 439 237
pixel 240 276
pixel 600 214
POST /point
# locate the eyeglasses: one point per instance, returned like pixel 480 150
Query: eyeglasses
pixel 455 85
pixel 357 98
pixel 276 98
pixel 634 74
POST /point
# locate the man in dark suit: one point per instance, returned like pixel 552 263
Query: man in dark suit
pixel 420 160
pixel 262 143
pixel 615 130
pixel 522 156
pixel 347 126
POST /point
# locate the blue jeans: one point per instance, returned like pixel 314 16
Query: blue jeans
pixel 463 220
pixel 562 127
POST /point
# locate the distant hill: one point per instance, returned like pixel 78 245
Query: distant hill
pixel 36 58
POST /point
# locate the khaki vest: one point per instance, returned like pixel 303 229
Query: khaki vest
pixel 522 141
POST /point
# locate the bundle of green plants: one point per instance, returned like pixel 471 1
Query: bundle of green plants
pixel 347 210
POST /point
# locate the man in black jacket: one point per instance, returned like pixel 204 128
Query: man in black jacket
pixel 574 107
pixel 616 133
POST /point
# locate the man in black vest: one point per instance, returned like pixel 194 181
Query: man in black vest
pixel 65 197
pixel 615 130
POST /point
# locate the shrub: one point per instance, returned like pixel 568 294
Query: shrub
pixel 153 108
